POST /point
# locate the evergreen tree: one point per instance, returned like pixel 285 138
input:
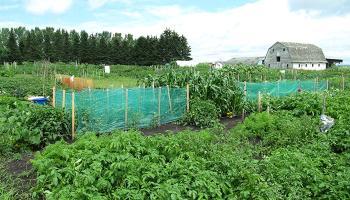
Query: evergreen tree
pixel 92 49
pixel 84 47
pixel 13 53
pixel 75 46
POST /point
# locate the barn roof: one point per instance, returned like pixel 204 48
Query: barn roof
pixel 304 52
pixel 245 60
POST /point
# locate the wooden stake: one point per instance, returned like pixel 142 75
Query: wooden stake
pixel 327 84
pixel 54 96
pixel 259 101
pixel 245 97
pixel 159 95
pixel 188 97
pixel 343 82
pixel 63 98
pixel 169 99
pixel 126 108
pixel 238 77
pixel 73 116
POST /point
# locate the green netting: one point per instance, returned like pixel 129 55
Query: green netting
pixel 282 88
pixel 105 110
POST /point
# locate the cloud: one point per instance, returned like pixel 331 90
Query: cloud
pixel 94 4
pixel 9 7
pixel 48 6
pixel 322 7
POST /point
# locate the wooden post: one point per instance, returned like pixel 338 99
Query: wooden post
pixel 327 84
pixel 250 77
pixel 126 108
pixel 238 77
pixel 169 99
pixel 188 97
pixel 159 95
pixel 73 116
pixel 259 101
pixel 343 82
pixel 54 96
pixel 63 98
pixel 324 104
pixel 245 97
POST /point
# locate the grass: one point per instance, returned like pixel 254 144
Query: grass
pixel 115 82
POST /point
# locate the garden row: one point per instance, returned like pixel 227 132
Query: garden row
pixel 276 155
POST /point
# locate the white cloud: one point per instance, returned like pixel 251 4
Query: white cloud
pixel 43 6
pixel 99 3
pixel 9 7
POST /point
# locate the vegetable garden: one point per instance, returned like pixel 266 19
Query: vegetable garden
pixel 276 152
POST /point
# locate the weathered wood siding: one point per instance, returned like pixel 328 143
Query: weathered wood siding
pixel 275 51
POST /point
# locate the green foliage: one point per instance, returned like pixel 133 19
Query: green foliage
pixel 300 104
pixel 203 114
pixel 27 126
pixel 23 86
pixel 101 48
pixel 217 85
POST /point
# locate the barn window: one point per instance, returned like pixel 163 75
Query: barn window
pixel 312 65
pixel 273 50
pixel 269 65
pixel 287 65
pixel 278 58
pixel 299 65
pixel 284 49
pixel 305 65
pixel 319 65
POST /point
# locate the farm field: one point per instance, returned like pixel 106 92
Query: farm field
pixel 276 152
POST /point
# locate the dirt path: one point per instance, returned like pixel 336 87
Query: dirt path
pixel 229 123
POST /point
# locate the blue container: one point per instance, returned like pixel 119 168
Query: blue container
pixel 40 100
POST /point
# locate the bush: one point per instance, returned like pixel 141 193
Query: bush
pixel 27 126
pixel 203 114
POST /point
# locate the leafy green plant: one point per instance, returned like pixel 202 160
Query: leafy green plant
pixel 203 114
pixel 27 126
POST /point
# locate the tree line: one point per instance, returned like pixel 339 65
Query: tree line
pixel 59 45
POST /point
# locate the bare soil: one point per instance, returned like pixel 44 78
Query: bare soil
pixel 229 123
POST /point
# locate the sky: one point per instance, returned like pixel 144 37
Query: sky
pixel 217 30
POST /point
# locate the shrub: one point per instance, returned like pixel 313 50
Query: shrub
pixel 203 114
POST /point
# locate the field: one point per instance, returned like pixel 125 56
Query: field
pixel 276 151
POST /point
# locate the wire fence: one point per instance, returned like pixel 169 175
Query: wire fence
pixel 281 88
pixel 104 110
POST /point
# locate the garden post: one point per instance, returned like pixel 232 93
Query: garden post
pixel 63 98
pixel 343 82
pixel 169 99
pixel 159 95
pixel 126 108
pixel 54 96
pixel 188 97
pixel 259 101
pixel 73 116
pixel 244 97
pixel 327 84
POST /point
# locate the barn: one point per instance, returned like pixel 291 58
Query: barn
pixel 290 55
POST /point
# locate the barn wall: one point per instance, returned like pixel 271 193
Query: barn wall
pixel 273 52
pixel 309 66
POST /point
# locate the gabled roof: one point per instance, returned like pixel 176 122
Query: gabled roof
pixel 304 52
